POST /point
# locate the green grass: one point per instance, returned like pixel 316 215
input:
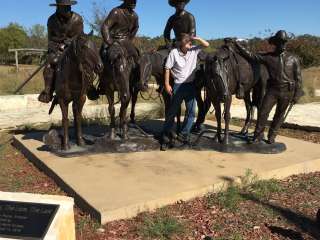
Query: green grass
pixel 161 227
pixel 231 198
pixel 263 189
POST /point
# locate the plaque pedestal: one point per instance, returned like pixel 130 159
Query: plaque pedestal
pixel 33 216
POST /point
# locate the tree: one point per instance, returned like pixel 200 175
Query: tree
pixel 98 18
pixel 37 36
pixel 12 36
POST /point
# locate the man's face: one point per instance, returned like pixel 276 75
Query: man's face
pixel 130 4
pixel 186 45
pixel 64 11
pixel 180 6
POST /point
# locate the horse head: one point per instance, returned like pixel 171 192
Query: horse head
pixel 88 55
pixel 145 71
pixel 218 74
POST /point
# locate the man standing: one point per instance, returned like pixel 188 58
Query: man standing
pixel 284 86
pixel 182 64
pixel 63 26
pixel 181 22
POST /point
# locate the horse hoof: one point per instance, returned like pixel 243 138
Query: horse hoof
pixel 66 147
pixel 81 142
pixel 225 141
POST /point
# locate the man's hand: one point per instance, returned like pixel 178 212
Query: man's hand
pixel 168 89
pixel 203 42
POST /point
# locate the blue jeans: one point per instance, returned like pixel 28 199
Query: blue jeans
pixel 182 92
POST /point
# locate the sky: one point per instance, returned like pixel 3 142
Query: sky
pixel 215 19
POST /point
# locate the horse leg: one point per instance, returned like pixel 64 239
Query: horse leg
pixel 77 108
pixel 112 113
pixel 125 100
pixel 249 109
pixel 227 117
pixel 65 124
pixel 133 105
pixel 217 107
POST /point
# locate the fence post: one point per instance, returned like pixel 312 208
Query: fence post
pixel 17 60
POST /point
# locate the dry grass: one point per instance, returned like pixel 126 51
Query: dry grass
pixel 311 82
pixel 10 79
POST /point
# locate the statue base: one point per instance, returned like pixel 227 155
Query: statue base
pixel 145 137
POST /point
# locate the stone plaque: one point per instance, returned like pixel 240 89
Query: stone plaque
pixel 27 221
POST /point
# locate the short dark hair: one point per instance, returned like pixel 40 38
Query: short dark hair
pixel 184 38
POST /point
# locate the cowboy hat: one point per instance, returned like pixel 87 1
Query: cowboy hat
pixel 63 3
pixel 280 37
pixel 173 2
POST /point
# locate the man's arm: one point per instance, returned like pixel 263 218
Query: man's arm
pixel 105 28
pixel 202 42
pixel 193 31
pixel 167 72
pixel 135 29
pixel 167 85
pixel 167 31
pixel 250 56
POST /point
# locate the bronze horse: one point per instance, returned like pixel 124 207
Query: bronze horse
pixel 120 75
pixel 224 69
pixel 75 72
pixel 152 64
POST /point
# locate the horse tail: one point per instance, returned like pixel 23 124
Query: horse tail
pixel 53 104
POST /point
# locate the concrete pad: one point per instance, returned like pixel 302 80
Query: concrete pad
pixel 119 186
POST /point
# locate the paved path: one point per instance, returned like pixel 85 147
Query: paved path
pixel 19 111
pixel 22 110
pixel 304 115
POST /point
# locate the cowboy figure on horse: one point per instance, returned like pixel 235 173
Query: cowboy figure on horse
pixel 63 26
pixel 180 22
pixel 119 29
pixel 284 86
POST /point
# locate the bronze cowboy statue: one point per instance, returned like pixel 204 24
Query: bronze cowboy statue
pixel 63 26
pixel 181 22
pixel 121 61
pixel 120 27
pixel 284 87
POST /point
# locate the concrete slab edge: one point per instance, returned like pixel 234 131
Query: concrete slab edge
pixel 133 210
pixel 79 201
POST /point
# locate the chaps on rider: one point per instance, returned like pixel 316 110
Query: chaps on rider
pixel 63 26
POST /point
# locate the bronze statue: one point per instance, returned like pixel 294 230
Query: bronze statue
pixel 63 26
pixel 76 69
pixel 121 60
pixel 181 22
pixel 223 70
pixel 284 86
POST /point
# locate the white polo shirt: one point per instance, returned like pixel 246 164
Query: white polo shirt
pixel 182 65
